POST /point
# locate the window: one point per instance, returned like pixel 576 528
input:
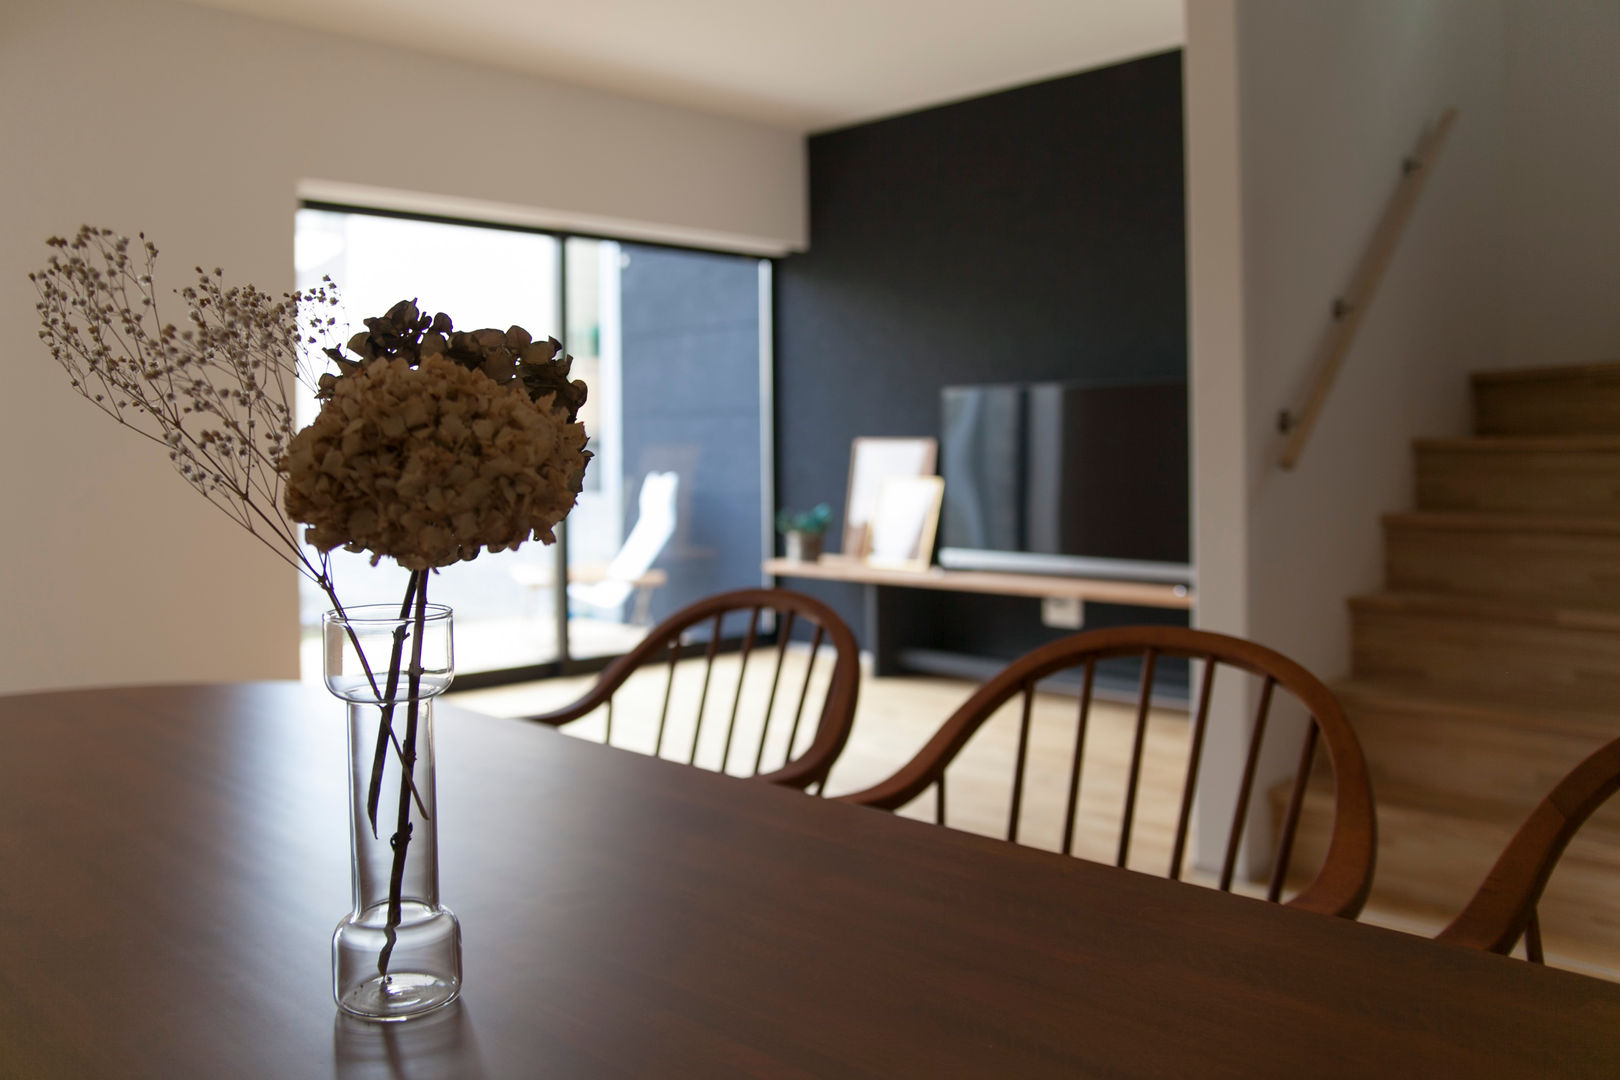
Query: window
pixel 673 346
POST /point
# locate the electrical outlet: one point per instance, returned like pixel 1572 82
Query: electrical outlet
pixel 1063 612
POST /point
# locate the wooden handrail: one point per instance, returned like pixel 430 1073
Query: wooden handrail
pixel 1296 423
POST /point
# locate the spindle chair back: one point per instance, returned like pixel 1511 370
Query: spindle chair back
pixel 1340 885
pixel 761 612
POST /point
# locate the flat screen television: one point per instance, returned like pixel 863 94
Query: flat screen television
pixel 1066 478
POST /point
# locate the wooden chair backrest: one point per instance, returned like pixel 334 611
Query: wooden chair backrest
pixel 1340 886
pixel 1504 908
pixel 792 610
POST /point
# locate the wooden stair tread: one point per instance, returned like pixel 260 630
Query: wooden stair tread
pixel 1412 736
pixel 1409 815
pixel 1520 444
pixel 1526 558
pixel 1494 818
pixel 1470 521
pixel 1487 608
pixel 1389 694
pixel 1400 800
pixel 1556 373
pixel 1489 648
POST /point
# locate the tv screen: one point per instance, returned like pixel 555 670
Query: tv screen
pixel 1066 477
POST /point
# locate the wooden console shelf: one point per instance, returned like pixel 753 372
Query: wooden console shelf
pixel 1099 590
pixel 892 635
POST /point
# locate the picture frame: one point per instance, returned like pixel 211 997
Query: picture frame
pixel 902 530
pixel 872 459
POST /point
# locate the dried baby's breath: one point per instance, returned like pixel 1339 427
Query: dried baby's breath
pixel 214 390
pixel 500 462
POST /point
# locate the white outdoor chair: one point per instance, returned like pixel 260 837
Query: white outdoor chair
pixel 605 588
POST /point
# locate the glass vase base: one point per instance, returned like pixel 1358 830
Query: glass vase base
pixel 398 996
pixel 424 966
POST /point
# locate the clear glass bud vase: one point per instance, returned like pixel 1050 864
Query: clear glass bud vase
pixel 398 952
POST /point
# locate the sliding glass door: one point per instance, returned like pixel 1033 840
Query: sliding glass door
pixel 683 426
pixel 674 346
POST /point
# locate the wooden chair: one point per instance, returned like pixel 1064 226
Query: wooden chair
pixel 1340 886
pixel 1504 908
pixel 792 609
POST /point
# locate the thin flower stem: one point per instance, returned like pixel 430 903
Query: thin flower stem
pixel 385 726
pixel 385 734
pixel 401 839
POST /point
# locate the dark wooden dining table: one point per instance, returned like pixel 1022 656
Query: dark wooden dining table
pixel 173 861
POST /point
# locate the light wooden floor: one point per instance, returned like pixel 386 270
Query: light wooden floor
pixel 894 718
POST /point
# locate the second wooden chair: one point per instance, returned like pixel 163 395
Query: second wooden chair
pixel 1504 908
pixel 788 611
pixel 1340 885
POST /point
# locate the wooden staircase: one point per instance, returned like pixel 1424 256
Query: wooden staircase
pixel 1490 665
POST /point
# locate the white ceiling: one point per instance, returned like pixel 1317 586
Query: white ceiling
pixel 803 64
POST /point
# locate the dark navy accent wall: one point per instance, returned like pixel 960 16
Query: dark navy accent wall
pixel 690 355
pixel 1031 235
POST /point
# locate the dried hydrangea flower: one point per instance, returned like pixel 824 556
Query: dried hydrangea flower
pixel 431 464
pixel 405 332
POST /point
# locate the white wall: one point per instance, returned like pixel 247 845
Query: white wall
pixel 199 126
pixel 1329 98
pixel 1217 386
pixel 1561 258
pixel 1298 114
pixel 1333 96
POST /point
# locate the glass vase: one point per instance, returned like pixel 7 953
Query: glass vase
pixel 398 952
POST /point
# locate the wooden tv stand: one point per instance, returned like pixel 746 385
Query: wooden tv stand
pixel 891 657
pixel 1102 590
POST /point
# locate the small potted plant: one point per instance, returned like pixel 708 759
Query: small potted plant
pixel 802 531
